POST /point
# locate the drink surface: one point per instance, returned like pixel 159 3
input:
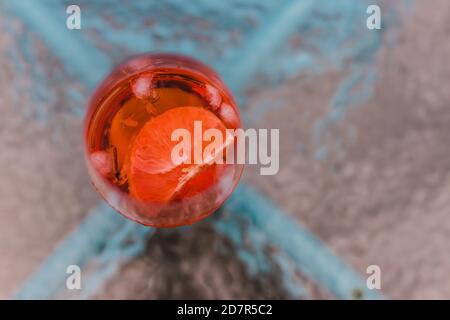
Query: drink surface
pixel 129 128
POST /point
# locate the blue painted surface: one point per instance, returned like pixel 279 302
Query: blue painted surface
pixel 103 238
pixel 263 220
pixel 275 31
pixel 242 61
pixel 48 19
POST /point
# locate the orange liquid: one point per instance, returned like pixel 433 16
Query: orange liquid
pixel 130 118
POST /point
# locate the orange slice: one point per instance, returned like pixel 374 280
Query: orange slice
pixel 154 177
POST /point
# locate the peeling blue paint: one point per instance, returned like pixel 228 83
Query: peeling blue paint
pixel 309 255
pixel 241 46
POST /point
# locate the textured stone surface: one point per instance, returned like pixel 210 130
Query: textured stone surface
pixel 374 186
pixel 381 195
pixel 195 264
pixel 44 190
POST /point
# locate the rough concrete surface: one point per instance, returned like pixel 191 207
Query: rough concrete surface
pixel 44 189
pixel 381 195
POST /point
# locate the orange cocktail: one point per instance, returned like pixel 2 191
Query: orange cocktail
pixel 129 136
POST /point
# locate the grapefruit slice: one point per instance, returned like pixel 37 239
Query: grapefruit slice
pixel 154 177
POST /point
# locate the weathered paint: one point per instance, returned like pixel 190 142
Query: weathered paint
pixel 258 47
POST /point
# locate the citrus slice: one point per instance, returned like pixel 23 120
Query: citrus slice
pixel 154 177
